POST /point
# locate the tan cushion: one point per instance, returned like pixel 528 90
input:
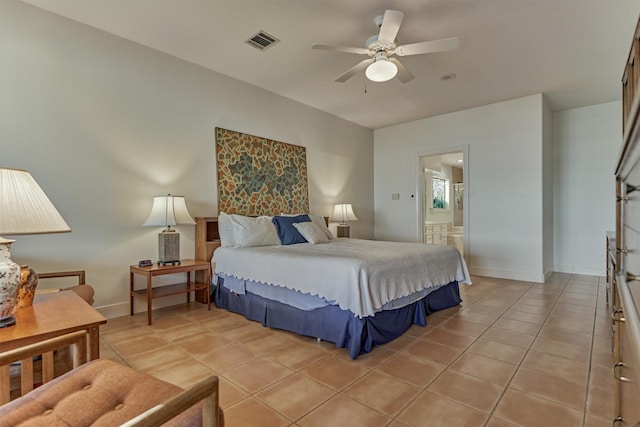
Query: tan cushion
pixel 85 292
pixel 99 393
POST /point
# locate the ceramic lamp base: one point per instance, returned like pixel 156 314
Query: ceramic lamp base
pixel 9 282
pixel 7 321
pixel 168 247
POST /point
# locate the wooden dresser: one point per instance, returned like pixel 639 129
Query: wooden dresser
pixel 626 293
pixel 611 262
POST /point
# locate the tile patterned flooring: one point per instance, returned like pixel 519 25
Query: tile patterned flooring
pixel 512 354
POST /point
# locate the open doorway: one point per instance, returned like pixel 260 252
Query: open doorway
pixel 442 199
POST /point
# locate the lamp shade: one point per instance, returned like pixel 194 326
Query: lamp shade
pixel 24 208
pixel 168 210
pixel 381 70
pixel 343 213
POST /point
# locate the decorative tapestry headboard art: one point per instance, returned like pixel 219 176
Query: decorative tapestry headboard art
pixel 259 176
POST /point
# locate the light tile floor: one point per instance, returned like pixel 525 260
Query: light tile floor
pixel 512 354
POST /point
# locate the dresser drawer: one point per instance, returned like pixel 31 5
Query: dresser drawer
pixel 627 372
pixel 630 262
pixel 436 228
pixel 627 368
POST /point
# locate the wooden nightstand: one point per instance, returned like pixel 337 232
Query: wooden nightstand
pixel 207 241
pixel 186 266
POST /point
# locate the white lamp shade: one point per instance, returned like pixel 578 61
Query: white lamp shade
pixel 343 213
pixel 381 70
pixel 168 210
pixel 24 208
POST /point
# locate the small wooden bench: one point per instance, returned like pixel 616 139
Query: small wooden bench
pixel 100 393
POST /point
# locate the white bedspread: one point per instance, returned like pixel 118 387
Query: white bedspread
pixel 359 275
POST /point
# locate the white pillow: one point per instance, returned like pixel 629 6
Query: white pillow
pixel 249 232
pixel 319 221
pixel 311 232
pixel 225 230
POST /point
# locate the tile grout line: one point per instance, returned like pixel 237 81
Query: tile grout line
pixel 518 366
pixel 423 389
pixel 458 357
pixel 593 334
pixel 525 293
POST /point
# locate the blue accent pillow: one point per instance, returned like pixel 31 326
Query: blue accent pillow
pixel 287 233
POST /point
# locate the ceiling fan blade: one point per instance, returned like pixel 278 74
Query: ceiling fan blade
pixel 432 46
pixel 355 69
pixel 403 75
pixel 390 26
pixel 343 49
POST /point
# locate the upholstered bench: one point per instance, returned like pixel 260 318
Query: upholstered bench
pixel 106 393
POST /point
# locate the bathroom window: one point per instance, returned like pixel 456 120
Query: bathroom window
pixel 440 193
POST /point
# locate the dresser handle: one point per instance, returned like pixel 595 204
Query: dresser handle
pixel 613 315
pixel 619 378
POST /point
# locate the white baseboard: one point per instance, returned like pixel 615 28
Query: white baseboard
pixel 122 309
pixel 526 276
pixel 578 269
pixel 114 310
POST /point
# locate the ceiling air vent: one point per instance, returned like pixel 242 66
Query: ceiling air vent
pixel 262 40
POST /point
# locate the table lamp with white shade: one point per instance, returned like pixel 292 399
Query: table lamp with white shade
pixel 24 209
pixel 341 214
pixel 167 211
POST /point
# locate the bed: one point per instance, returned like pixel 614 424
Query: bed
pixel 354 293
pixel 290 272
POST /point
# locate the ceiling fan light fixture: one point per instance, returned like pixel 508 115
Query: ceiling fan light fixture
pixel 381 70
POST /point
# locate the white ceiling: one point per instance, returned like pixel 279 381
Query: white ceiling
pixel 573 51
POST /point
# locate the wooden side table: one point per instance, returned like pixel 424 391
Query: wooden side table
pixel 52 315
pixel 149 293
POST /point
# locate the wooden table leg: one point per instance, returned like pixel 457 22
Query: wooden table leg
pixel 94 342
pixel 188 285
pixel 131 293
pixel 149 290
pixel 207 278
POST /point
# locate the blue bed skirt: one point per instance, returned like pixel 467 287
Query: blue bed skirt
pixel 333 324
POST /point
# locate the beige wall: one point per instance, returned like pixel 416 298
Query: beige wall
pixel 104 124
pixel 586 144
pixel 503 182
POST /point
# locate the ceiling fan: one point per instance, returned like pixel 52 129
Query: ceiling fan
pixel 382 66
